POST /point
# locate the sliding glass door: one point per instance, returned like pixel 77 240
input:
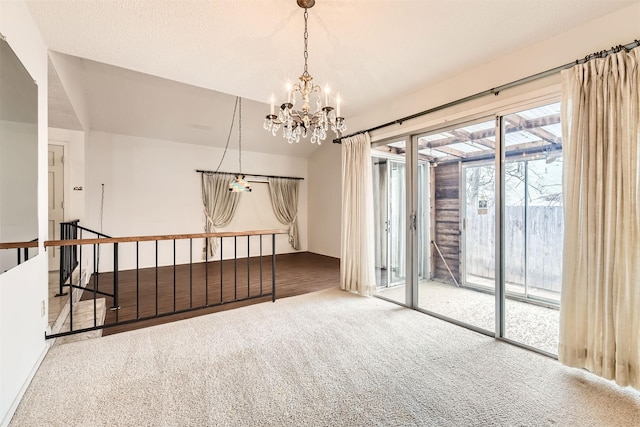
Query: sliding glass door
pixel 469 224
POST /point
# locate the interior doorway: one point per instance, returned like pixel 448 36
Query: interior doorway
pixel 55 161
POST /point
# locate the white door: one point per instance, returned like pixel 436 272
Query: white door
pixel 56 200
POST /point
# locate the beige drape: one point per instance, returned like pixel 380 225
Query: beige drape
pixel 357 271
pixel 599 312
pixel 219 205
pixel 284 199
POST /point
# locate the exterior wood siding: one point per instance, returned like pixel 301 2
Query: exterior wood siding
pixel 446 228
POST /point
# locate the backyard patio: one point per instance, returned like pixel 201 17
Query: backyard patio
pixel 525 322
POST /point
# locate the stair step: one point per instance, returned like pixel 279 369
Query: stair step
pixel 83 318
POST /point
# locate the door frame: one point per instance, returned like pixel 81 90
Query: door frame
pixel 65 185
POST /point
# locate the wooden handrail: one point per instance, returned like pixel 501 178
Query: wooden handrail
pixel 19 245
pixel 50 243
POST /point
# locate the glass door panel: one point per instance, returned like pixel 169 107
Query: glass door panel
pixel 479 226
pixel 397 222
pixel 458 191
pixel 533 226
pixel 381 220
pixel 390 216
pixel 423 221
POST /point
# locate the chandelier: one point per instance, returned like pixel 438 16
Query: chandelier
pixel 301 122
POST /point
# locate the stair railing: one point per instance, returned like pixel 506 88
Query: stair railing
pixel 71 230
pixel 156 292
pixel 22 249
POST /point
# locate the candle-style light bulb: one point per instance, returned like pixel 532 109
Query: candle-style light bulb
pixel 338 106
pixel 289 92
pixel 272 104
pixel 326 95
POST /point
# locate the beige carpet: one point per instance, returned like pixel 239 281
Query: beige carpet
pixel 322 359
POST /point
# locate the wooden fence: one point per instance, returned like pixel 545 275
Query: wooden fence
pixel 541 258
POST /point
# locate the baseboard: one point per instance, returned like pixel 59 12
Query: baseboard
pixel 319 254
pixel 12 409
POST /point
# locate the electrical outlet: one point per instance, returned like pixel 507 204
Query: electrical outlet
pixel 42 308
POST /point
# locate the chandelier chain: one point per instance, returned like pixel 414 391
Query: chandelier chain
pixel 226 147
pixel 306 42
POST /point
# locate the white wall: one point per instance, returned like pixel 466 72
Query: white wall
pixel 18 187
pixel 74 171
pixel 620 27
pixel 22 289
pixel 325 200
pixel 151 188
pixel 72 81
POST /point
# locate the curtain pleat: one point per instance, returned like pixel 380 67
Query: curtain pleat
pixel 284 199
pixel 357 270
pixel 599 321
pixel 219 205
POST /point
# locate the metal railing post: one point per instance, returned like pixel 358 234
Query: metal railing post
pixel 61 261
pixel 116 306
pixel 273 268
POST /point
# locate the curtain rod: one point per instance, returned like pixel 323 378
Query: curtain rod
pixel 249 174
pixel 498 89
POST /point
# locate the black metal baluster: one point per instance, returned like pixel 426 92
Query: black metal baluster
pixel 137 280
pixel 206 271
pixel 69 271
pixel 116 284
pixel 248 268
pixel 95 309
pixel 61 272
pixel 97 269
pixel 174 275
pixel 273 268
pixel 70 305
pixel 235 268
pixel 261 264
pixel 221 282
pixel 156 277
pixel 191 273
pixel 95 276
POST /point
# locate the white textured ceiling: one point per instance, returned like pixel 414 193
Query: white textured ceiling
pixel 61 112
pixel 369 50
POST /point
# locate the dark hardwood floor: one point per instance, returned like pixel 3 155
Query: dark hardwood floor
pixel 296 274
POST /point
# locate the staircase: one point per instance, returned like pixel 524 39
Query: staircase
pixel 83 318
pixel 82 315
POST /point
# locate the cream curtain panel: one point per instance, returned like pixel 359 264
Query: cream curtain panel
pixel 600 307
pixel 219 206
pixel 357 270
pixel 284 199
